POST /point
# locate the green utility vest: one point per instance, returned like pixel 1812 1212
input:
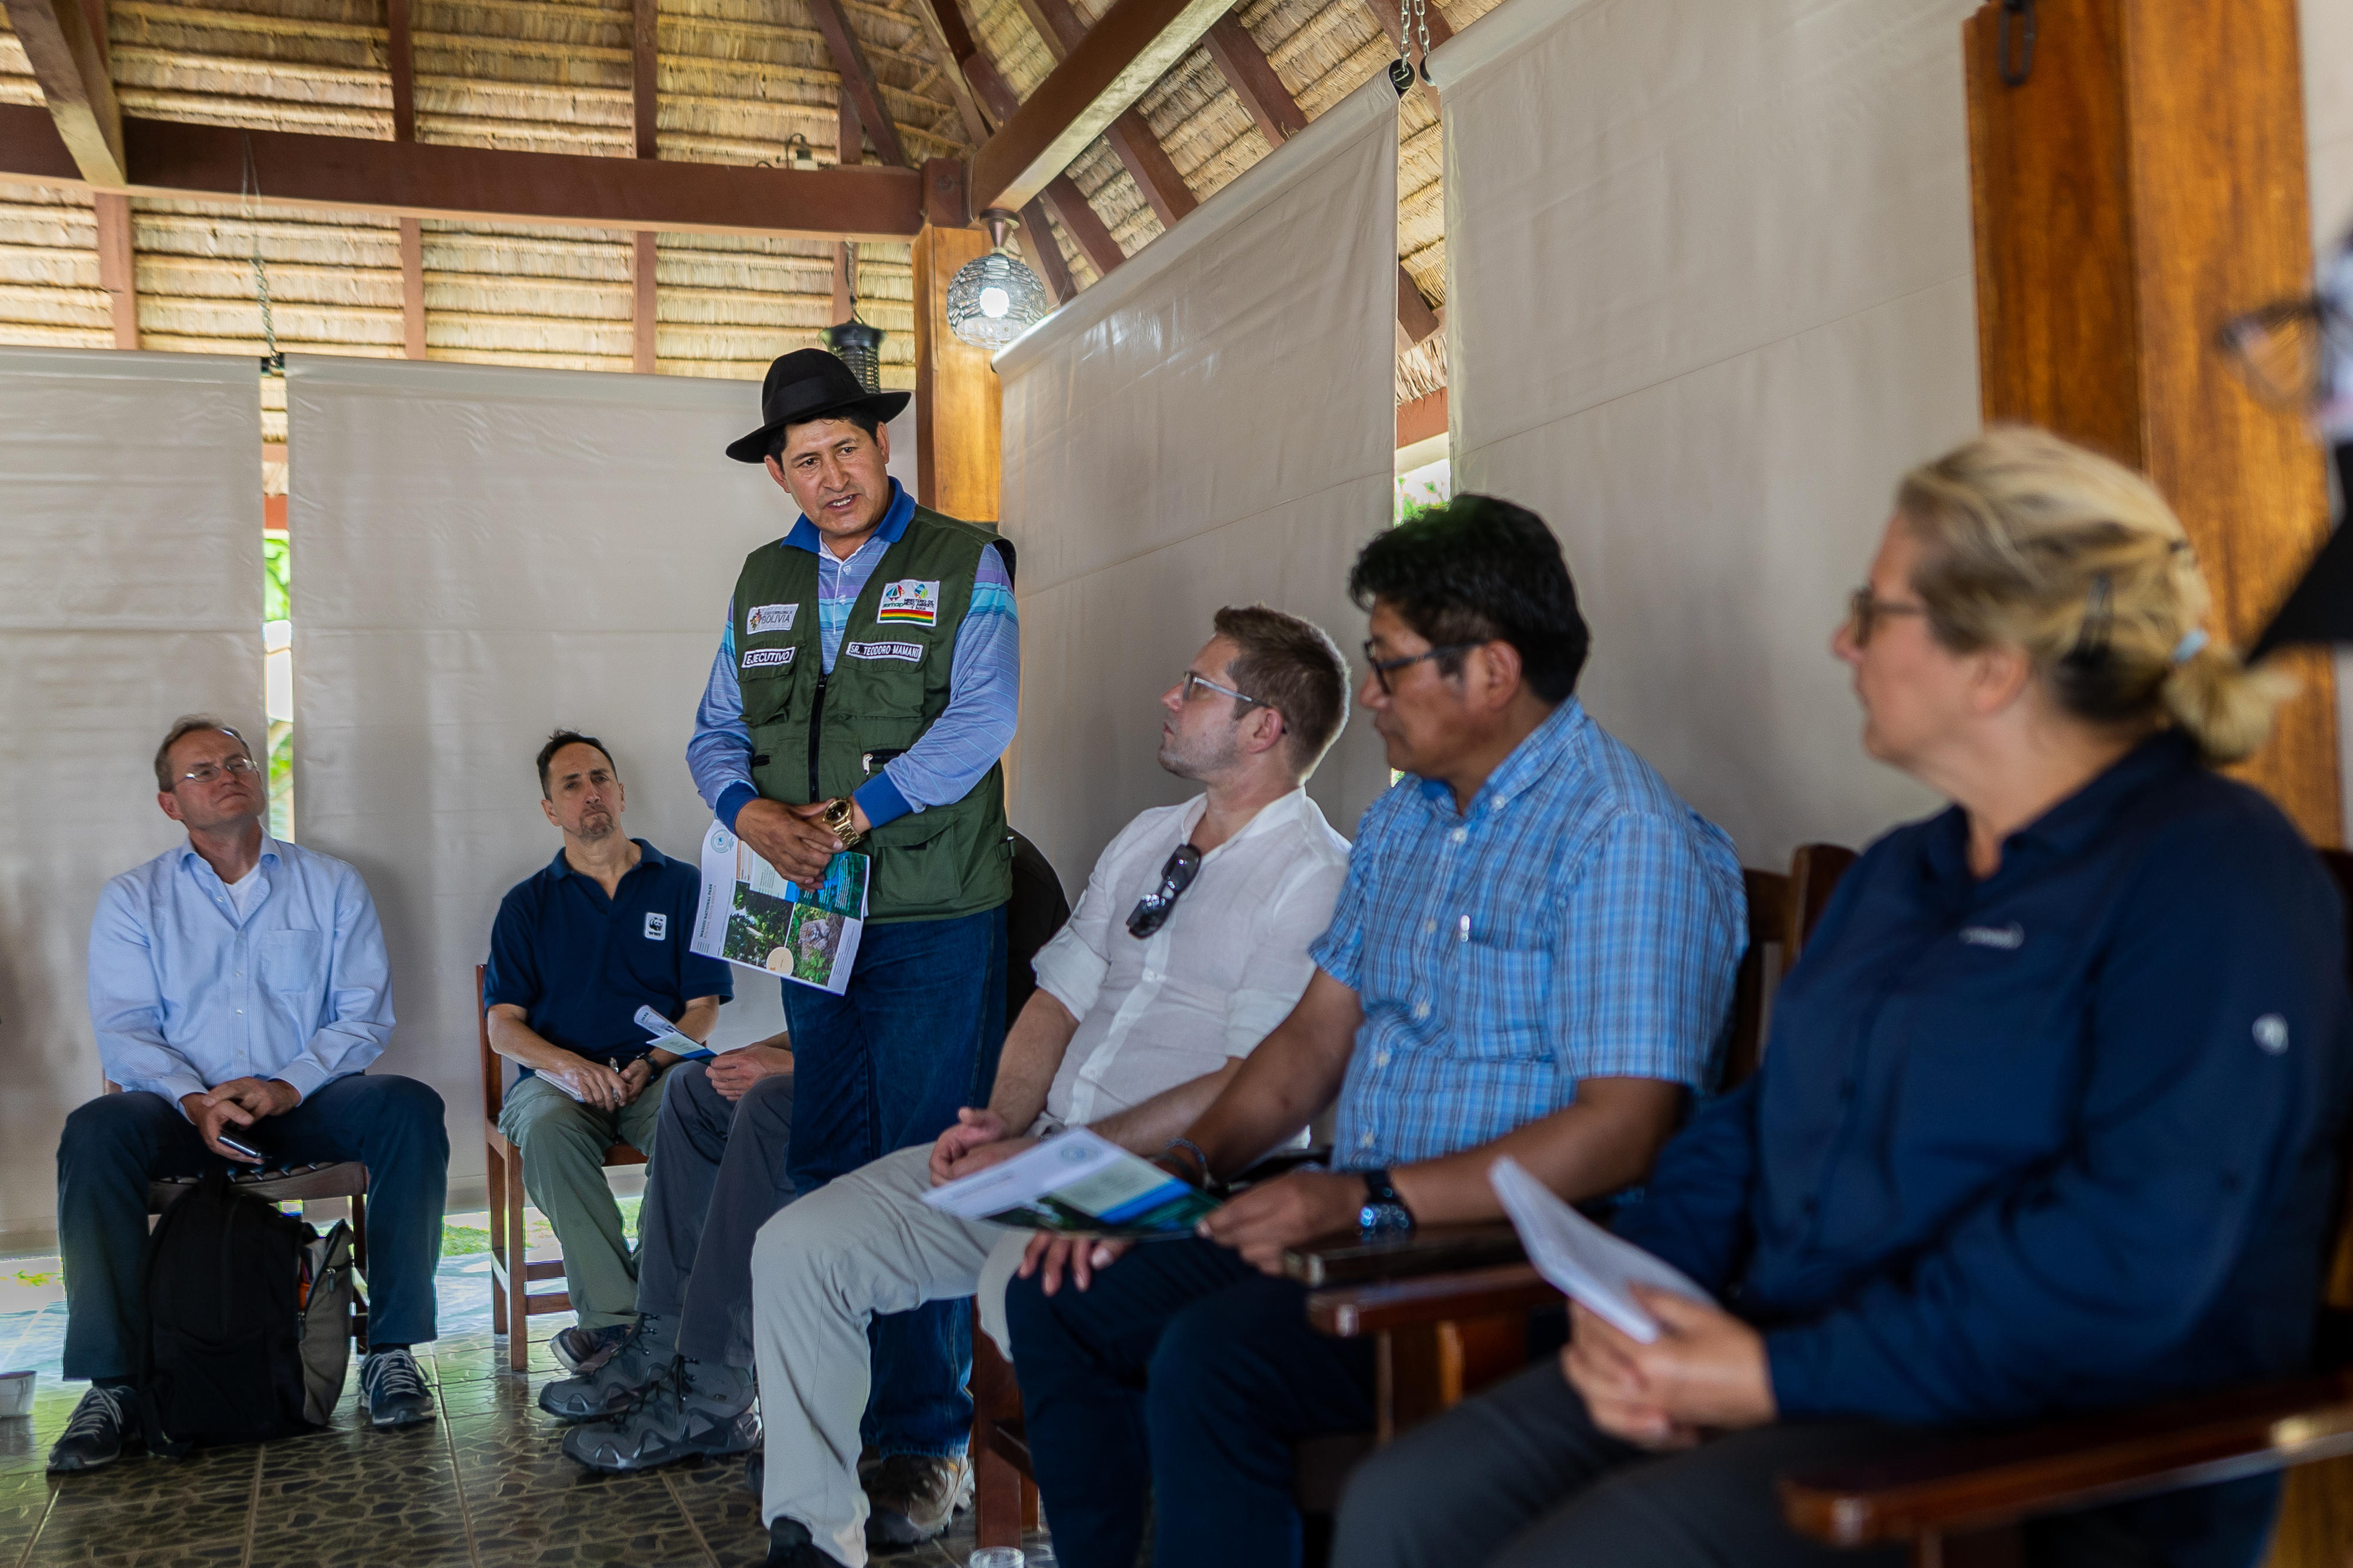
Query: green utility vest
pixel 817 736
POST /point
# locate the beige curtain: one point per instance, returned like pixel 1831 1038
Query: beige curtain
pixel 1211 425
pixel 130 594
pixel 480 556
pixel 1711 293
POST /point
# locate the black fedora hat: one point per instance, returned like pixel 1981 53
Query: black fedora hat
pixel 810 383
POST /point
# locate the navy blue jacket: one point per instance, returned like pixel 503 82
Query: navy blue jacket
pixel 2060 1140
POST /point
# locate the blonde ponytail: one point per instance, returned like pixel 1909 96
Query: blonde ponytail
pixel 2221 704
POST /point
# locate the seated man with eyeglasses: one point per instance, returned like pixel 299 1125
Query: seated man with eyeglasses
pixel 239 990
pixel 1189 943
pixel 1533 955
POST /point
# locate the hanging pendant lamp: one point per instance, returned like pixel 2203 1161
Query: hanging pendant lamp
pixel 995 299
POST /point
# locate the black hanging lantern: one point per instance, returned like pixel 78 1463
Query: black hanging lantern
pixel 858 346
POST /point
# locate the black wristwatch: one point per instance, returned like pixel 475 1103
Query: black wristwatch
pixel 1384 1214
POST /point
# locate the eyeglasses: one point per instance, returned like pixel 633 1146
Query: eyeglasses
pixel 2284 350
pixel 1194 681
pixel 1863 612
pixel 1151 911
pixel 205 773
pixel 1381 666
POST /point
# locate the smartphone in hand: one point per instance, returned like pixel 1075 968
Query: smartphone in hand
pixel 242 1151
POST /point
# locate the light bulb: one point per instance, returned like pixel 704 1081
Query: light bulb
pixel 993 302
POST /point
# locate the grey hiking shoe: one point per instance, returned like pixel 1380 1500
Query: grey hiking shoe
pixel 642 1356
pixel 696 1407
pixel 584 1350
pixel 912 1497
pixel 103 1425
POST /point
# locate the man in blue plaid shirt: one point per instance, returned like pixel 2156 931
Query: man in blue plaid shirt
pixel 1532 955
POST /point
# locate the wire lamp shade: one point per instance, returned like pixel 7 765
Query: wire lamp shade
pixel 860 347
pixel 993 299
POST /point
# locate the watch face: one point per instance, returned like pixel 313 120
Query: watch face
pixel 1384 1219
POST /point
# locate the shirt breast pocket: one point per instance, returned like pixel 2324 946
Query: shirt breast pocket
pixel 1505 1000
pixel 291 960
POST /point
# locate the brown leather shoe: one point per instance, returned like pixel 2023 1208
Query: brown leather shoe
pixel 912 1498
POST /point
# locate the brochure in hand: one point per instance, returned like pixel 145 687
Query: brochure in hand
pixel 1079 1182
pixel 750 914
pixel 1586 1262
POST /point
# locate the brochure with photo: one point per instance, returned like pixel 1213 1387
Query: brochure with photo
pixel 752 915
pixel 1081 1183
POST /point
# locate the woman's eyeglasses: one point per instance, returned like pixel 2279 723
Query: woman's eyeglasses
pixel 1864 613
pixel 1381 666
pixel 1151 911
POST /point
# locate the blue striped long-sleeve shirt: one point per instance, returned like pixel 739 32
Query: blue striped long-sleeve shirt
pixel 963 743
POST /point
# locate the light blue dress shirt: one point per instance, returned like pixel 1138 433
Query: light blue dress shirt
pixel 187 995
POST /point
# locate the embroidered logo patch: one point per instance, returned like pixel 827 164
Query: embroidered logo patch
pixel 2004 937
pixel 911 602
pixel 913 652
pixel 657 927
pixel 2271 1034
pixel 759 658
pixel 770 618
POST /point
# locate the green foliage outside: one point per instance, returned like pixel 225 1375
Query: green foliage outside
pixel 1416 493
pixel 277 604
pixel 277 574
pixel 465 1240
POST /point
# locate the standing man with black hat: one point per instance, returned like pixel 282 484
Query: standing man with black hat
pixel 865 687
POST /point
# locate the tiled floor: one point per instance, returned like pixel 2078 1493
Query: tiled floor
pixel 484 1486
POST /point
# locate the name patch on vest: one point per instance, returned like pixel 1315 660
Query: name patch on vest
pixel 913 652
pixel 911 602
pixel 769 618
pixel 758 658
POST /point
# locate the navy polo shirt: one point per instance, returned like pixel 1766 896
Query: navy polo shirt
pixel 581 964
pixel 2056 1140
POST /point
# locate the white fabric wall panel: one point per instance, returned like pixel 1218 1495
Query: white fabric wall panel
pixel 1211 425
pixel 130 594
pixel 1710 294
pixel 483 555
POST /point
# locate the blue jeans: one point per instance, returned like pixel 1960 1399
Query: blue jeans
pixel 1184 1372
pixel 887 1065
pixel 115 1144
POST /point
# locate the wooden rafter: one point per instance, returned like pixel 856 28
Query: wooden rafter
pixel 1083 224
pixel 427 180
pixel 412 287
pixel 858 88
pixel 1132 140
pixel 645 102
pixel 400 53
pixel 1045 254
pixel 953 38
pixel 115 266
pixel 58 41
pixel 1106 71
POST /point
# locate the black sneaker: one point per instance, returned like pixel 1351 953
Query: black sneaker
pixel 395 1389
pixel 584 1350
pixel 790 1546
pixel 913 1496
pixel 696 1407
pixel 105 1422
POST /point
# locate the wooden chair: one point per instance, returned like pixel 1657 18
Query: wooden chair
pixel 513 1303
pixel 1965 1503
pixel 285 1185
pixel 1438 1337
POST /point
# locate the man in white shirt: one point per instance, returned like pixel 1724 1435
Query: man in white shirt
pixel 1188 947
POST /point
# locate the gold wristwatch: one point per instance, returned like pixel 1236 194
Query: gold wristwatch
pixel 840 819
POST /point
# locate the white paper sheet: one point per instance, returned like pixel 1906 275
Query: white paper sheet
pixel 1587 1263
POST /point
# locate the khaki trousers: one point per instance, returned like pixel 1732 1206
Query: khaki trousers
pixel 564 1143
pixel 862 1245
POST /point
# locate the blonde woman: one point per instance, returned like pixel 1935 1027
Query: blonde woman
pixel 2048 1116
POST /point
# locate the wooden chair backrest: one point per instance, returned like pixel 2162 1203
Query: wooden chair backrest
pixel 1760 971
pixel 1814 873
pixel 495 1070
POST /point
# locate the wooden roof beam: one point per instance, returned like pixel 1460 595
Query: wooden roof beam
pixel 1105 72
pixel 1132 141
pixel 424 180
pixel 59 40
pixel 945 22
pixel 858 88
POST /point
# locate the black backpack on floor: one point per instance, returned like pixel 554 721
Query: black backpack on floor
pixel 224 1356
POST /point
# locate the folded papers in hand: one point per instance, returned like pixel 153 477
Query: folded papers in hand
pixel 1586 1262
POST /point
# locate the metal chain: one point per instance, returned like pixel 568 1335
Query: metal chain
pixel 1421 16
pixel 1401 67
pixel 248 190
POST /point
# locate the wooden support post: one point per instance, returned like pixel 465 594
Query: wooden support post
pixel 115 267
pixel 401 59
pixel 958 404
pixel 2144 182
pixel 644 313
pixel 645 302
pixel 412 287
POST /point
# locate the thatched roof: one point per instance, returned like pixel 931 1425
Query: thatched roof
pixel 740 82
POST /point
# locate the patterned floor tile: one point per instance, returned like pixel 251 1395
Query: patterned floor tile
pixel 587 1528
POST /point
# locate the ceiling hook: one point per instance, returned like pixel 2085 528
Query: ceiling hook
pixel 2016 62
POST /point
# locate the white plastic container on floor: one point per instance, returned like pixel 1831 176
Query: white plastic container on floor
pixel 16 1393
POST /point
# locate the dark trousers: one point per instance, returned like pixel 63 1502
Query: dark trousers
pixel 115 1144
pixel 717 1173
pixel 1185 1372
pixel 1520 1478
pixel 887 1065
